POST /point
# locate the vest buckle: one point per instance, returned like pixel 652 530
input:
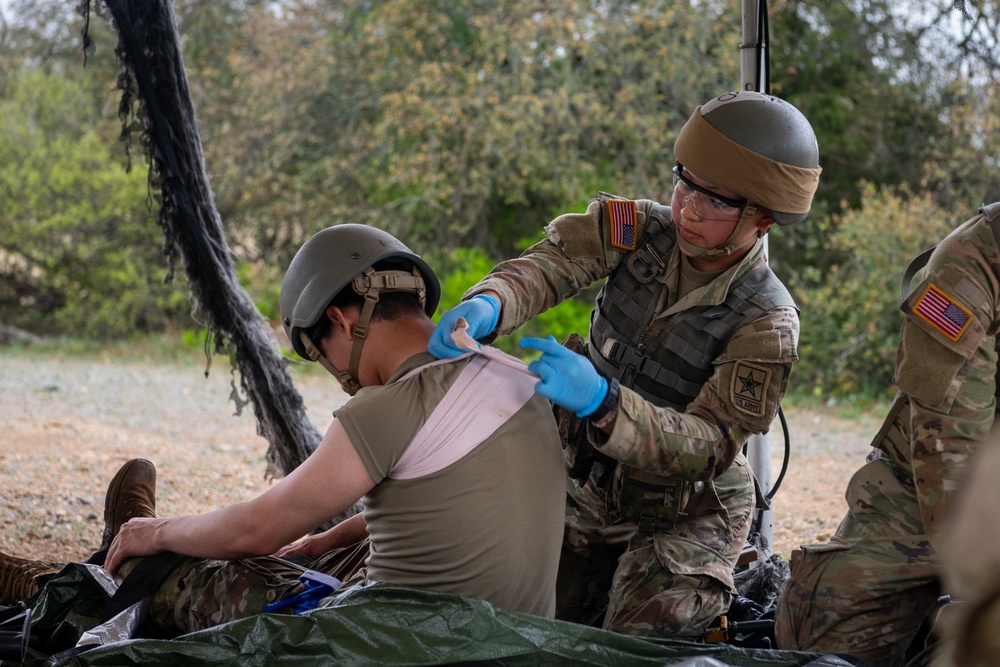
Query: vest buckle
pixel 641 269
pixel 646 521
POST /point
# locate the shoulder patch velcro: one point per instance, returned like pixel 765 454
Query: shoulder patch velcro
pixel 621 223
pixel 943 313
pixel 748 388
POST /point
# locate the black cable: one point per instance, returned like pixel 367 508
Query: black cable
pixel 784 460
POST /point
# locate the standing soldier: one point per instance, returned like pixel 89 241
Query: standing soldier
pixel 866 592
pixel 691 344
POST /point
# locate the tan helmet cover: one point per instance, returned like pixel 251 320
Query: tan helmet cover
pixel 758 146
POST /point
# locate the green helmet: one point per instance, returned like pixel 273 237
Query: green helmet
pixel 758 146
pixel 340 256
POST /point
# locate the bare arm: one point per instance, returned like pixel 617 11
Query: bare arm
pixel 326 484
pixel 347 532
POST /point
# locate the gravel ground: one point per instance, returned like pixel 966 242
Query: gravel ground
pixel 68 423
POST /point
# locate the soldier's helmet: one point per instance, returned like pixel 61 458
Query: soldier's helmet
pixel 342 255
pixel 759 146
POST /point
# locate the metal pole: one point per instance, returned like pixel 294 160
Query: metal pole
pixel 752 54
pixel 752 58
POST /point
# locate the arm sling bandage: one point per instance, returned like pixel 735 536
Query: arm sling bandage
pixel 490 390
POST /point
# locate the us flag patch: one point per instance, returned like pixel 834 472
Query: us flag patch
pixel 621 213
pixel 943 313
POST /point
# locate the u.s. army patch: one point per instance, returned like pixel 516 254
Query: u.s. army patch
pixel 943 313
pixel 621 221
pixel 748 388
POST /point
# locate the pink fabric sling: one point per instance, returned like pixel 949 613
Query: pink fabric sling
pixel 488 392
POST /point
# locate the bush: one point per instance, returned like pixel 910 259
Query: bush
pixel 80 251
pixel 850 312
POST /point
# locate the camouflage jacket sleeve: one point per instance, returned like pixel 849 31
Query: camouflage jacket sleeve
pixel 575 254
pixel 947 364
pixel 740 398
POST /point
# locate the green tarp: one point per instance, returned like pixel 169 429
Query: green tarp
pixel 379 625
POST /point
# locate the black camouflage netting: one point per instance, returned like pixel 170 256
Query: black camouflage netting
pixel 156 105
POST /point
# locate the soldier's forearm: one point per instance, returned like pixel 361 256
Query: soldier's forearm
pixel 530 285
pixel 666 442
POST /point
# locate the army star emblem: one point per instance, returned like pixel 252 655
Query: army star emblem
pixel 750 384
pixel 748 388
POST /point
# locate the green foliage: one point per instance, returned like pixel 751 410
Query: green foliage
pixel 446 123
pixel 843 70
pixel 262 282
pixel 850 313
pixel 193 339
pixel 464 125
pixel 79 251
pixel 571 316
pixel 457 270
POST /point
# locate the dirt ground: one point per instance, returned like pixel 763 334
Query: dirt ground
pixel 67 424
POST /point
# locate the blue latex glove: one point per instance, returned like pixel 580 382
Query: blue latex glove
pixel 481 312
pixel 568 378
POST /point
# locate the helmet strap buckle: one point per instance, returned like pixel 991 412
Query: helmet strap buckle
pixel 349 383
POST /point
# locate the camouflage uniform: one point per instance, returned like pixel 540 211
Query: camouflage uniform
pixel 668 571
pixel 200 594
pixel 866 592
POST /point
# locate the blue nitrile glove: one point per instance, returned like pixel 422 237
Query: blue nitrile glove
pixel 318 586
pixel 568 378
pixel 481 312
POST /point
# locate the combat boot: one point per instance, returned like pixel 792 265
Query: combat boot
pixel 131 494
pixel 19 577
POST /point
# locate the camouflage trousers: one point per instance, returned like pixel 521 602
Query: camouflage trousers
pixel 199 593
pixel 671 582
pixel 866 592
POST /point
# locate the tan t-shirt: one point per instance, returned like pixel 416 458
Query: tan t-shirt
pixel 488 526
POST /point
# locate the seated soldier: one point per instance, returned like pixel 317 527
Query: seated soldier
pixel 458 463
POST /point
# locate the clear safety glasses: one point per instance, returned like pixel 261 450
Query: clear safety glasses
pixel 708 204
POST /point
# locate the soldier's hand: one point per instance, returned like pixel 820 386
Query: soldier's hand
pixel 133 539
pixel 481 312
pixel 311 546
pixel 567 378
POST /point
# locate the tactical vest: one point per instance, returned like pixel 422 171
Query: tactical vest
pixel 667 367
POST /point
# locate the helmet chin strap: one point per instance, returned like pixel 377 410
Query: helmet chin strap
pixel 727 247
pixel 369 284
pixel 347 381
